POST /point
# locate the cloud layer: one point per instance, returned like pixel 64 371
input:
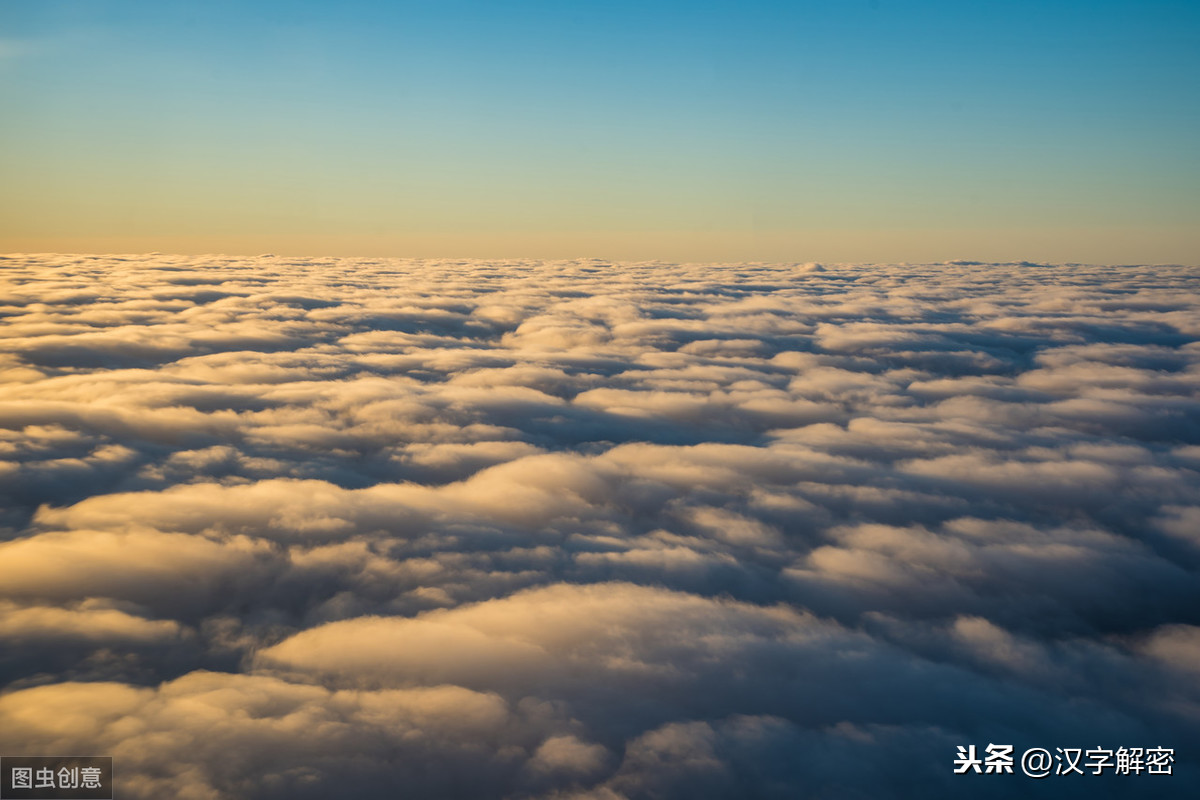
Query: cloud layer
pixel 282 527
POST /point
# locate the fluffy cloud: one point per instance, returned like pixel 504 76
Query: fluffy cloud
pixel 308 527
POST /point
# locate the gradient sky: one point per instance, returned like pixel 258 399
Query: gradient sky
pixel 835 130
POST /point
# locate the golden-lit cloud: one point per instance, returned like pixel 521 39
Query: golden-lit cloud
pixel 303 527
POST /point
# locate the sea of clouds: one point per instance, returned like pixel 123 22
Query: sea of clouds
pixel 308 528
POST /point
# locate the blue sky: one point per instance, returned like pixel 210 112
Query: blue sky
pixel 831 130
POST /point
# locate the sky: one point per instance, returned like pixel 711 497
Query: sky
pixel 869 130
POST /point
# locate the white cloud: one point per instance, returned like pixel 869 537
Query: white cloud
pixel 278 527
